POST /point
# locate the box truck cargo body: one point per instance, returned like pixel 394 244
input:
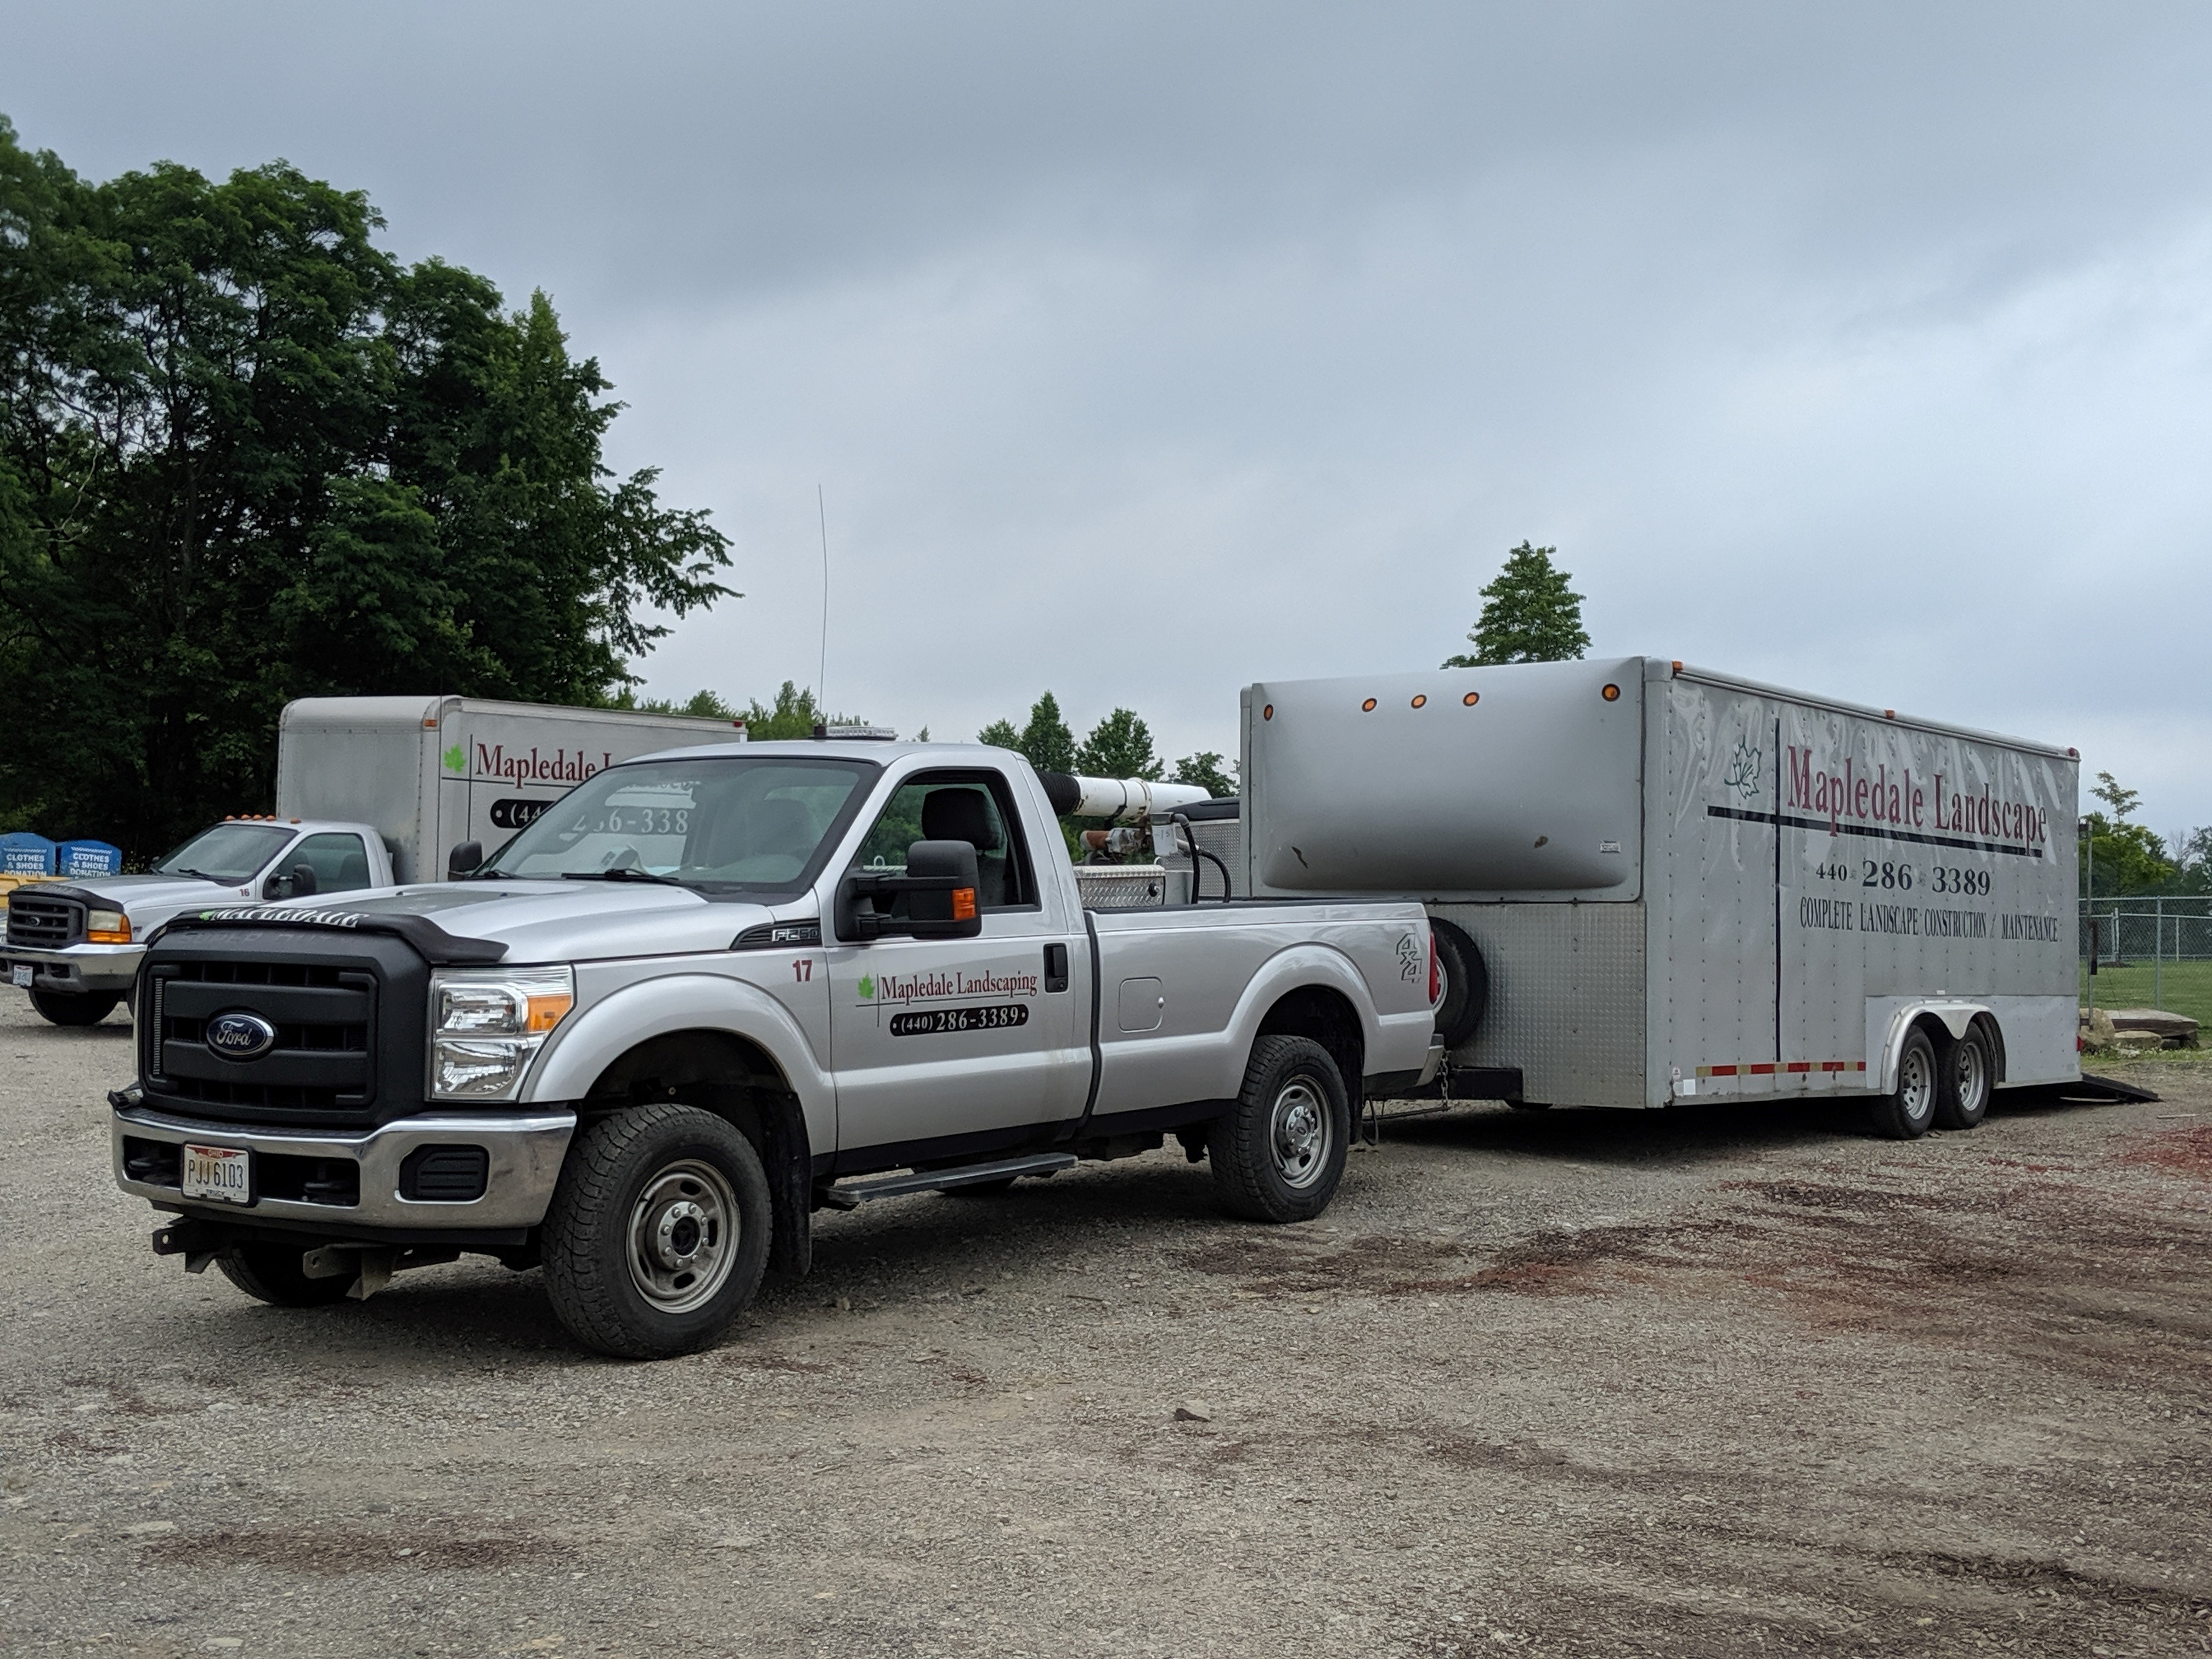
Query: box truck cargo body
pixel 430 772
pixel 1683 885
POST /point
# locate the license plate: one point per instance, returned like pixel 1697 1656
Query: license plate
pixel 21 973
pixel 224 1174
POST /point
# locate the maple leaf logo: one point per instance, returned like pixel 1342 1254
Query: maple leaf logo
pixel 868 987
pixel 455 759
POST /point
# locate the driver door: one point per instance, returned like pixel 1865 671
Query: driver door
pixel 954 1040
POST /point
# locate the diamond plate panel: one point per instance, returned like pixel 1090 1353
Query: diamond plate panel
pixel 1566 997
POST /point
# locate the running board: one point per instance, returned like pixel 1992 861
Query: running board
pixel 853 1194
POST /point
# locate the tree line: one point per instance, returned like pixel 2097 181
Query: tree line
pixel 247 455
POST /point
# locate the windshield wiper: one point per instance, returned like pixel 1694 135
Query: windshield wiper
pixel 620 875
pixel 202 875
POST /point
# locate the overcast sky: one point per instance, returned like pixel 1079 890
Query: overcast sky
pixel 1142 351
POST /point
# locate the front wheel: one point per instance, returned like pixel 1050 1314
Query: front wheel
pixel 1906 1113
pixel 658 1233
pixel 1962 1100
pixel 82 1009
pixel 1279 1154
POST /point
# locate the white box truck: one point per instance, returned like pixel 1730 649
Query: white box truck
pixel 370 792
pixel 1653 883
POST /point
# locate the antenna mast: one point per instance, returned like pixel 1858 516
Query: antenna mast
pixel 821 668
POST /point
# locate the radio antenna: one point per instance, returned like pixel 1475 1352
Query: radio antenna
pixel 822 667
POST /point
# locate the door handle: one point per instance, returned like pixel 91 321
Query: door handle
pixel 1055 968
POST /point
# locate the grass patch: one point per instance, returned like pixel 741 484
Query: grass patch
pixel 2181 987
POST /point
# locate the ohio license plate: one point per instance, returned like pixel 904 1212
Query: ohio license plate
pixel 21 973
pixel 224 1174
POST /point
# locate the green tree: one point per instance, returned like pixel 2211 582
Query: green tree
pixel 245 456
pixel 1000 734
pixel 2123 801
pixel 1046 741
pixel 1529 614
pixel 792 715
pixel 1119 746
pixel 1206 769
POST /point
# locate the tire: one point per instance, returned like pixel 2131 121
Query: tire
pixel 1964 1081
pixel 1279 1154
pixel 658 1233
pixel 272 1273
pixel 1907 1114
pixel 63 1008
pixel 1467 983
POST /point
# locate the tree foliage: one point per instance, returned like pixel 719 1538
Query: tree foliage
pixel 1046 740
pixel 246 456
pixel 1529 614
pixel 1209 771
pixel 1119 746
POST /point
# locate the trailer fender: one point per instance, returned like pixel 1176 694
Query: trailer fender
pixel 1888 1019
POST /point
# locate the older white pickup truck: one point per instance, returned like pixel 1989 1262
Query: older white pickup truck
pixel 75 946
pixel 709 993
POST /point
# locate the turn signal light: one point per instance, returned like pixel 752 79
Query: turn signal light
pixel 1436 972
pixel 106 927
pixel 963 904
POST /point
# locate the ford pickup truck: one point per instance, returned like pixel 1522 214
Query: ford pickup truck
pixel 711 993
pixel 76 946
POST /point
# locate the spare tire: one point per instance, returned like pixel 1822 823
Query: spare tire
pixel 1467 983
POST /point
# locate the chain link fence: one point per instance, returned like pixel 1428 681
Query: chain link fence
pixel 2153 952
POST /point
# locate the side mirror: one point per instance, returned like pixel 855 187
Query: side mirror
pixel 464 860
pixel 298 883
pixel 940 888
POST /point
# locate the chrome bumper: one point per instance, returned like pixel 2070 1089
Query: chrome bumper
pixel 524 1151
pixel 95 969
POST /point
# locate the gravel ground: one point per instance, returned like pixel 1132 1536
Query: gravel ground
pixel 1713 1382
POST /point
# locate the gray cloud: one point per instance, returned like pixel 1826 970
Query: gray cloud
pixel 1144 351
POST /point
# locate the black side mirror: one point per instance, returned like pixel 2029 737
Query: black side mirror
pixel 939 887
pixel 298 882
pixel 464 860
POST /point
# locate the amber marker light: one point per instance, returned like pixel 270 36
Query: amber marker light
pixel 1611 694
pixel 546 1009
pixel 1421 702
pixel 1367 707
pixel 963 904
pixel 1471 699
pixel 1268 713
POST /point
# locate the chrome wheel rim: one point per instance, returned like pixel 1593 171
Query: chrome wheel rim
pixel 1916 1085
pixel 684 1236
pixel 1298 1134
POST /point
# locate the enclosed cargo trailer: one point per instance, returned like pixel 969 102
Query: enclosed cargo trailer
pixel 1681 884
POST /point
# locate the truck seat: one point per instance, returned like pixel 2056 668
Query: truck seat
pixel 961 812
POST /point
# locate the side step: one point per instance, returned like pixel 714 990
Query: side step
pixel 853 1194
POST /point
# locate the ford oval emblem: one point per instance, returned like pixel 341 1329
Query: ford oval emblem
pixel 237 1036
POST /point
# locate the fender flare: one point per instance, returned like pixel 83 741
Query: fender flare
pixel 612 1027
pixel 1295 967
pixel 1955 1014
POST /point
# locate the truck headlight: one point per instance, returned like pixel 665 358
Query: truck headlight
pixel 106 927
pixel 486 1023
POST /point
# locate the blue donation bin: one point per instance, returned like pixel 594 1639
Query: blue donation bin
pixel 88 858
pixel 22 854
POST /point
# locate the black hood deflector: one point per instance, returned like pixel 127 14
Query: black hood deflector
pixel 435 946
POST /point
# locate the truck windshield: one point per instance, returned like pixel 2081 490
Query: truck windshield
pixel 720 825
pixel 228 853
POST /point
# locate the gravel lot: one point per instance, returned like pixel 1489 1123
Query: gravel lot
pixel 1715 1383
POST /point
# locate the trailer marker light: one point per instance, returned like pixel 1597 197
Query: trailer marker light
pixel 1678 664
pixel 1471 699
pixel 1421 702
pixel 1611 694
pixel 1367 707
pixel 1268 713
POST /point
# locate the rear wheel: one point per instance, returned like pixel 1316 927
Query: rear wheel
pixel 63 1008
pixel 1279 1154
pixel 1962 1099
pixel 272 1273
pixel 658 1233
pixel 1466 983
pixel 1906 1113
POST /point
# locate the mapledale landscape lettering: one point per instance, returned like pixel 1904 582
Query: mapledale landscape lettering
pixel 1894 798
pixel 560 767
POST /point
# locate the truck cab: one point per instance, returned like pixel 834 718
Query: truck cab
pixel 76 946
pixel 712 992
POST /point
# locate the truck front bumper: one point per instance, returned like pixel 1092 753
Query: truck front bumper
pixel 77 969
pixel 300 1177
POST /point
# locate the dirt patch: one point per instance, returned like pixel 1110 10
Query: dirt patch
pixel 325 1553
pixel 2178 1151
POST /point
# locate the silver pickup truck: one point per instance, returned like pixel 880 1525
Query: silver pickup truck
pixel 711 992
